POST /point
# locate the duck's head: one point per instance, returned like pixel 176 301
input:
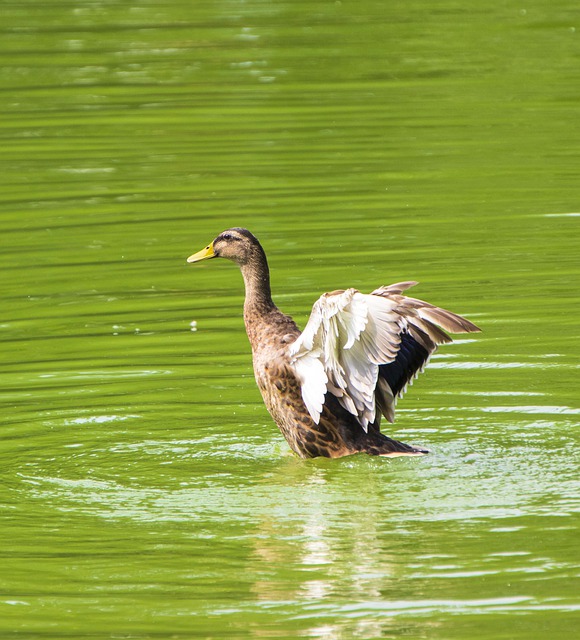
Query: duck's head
pixel 235 244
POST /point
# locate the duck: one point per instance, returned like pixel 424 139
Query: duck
pixel 328 387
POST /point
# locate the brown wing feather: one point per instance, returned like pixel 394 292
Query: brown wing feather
pixel 423 327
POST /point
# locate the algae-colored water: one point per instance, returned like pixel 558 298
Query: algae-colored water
pixel 145 492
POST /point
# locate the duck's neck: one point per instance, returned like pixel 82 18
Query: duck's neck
pixel 258 300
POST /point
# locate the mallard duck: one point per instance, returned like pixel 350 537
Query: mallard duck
pixel 328 386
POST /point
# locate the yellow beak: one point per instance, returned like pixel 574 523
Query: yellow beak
pixel 204 254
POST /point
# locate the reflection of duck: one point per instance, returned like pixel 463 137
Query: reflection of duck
pixel 327 387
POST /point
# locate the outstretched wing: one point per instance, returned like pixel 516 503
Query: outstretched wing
pixel 366 348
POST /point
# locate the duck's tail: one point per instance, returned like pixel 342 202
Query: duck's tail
pixel 382 445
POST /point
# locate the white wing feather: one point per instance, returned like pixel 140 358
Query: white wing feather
pixel 347 336
pixel 350 334
pixel 313 381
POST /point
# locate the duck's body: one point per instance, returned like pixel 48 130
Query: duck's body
pixel 327 387
pixel 337 433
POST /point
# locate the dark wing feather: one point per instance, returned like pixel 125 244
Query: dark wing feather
pixel 422 329
pixel 411 358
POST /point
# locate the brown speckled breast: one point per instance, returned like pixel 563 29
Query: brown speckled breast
pixel 283 399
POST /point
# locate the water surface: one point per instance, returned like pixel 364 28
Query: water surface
pixel 145 491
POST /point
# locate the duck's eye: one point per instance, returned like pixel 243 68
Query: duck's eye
pixel 229 236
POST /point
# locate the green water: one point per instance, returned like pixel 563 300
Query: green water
pixel 145 492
